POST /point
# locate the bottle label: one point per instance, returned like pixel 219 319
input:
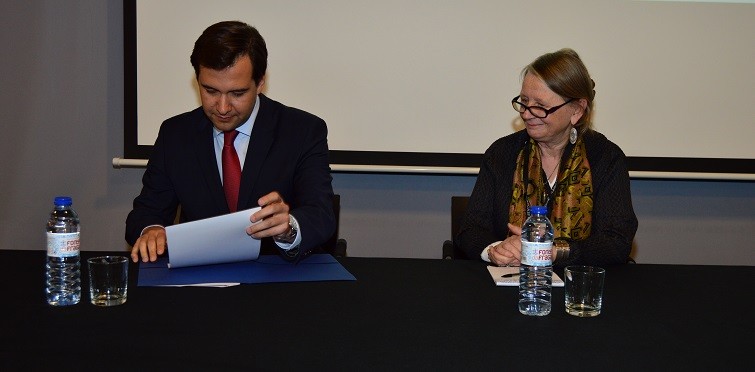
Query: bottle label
pixel 537 254
pixel 62 244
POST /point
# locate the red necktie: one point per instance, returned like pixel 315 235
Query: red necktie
pixel 231 170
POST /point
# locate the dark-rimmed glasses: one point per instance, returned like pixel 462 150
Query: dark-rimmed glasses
pixel 536 111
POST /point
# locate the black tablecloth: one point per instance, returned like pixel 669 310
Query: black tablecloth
pixel 400 314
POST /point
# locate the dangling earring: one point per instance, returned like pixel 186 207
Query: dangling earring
pixel 573 135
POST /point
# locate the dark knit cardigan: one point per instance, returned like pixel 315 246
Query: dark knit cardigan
pixel 613 218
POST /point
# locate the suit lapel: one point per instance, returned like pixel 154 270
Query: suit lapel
pixel 205 151
pixel 259 145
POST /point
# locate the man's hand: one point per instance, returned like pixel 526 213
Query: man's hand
pixel 272 219
pixel 509 251
pixel 150 245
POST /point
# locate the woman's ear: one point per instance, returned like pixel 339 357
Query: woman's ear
pixel 579 111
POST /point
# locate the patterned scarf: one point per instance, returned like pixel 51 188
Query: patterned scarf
pixel 571 211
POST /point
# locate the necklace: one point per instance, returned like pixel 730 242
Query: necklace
pixel 553 171
pixel 545 195
pixel 549 175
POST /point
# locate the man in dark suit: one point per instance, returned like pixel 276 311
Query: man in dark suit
pixel 280 152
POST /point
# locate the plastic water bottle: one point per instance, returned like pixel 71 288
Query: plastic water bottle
pixel 536 269
pixel 63 267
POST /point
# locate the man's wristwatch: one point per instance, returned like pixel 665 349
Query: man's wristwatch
pixel 562 248
pixel 289 236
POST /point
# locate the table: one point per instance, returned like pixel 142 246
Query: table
pixel 400 314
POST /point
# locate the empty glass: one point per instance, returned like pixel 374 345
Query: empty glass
pixel 583 286
pixel 108 280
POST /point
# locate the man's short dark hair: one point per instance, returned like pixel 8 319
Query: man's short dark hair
pixel 221 44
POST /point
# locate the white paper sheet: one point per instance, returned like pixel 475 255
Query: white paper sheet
pixel 210 285
pixel 511 278
pixel 220 239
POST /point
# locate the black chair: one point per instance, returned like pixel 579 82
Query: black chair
pixel 458 207
pixel 336 246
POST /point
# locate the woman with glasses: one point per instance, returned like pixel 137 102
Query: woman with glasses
pixel 559 161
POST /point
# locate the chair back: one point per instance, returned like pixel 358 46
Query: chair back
pixel 336 246
pixel 458 208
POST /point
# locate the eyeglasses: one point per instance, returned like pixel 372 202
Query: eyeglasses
pixel 536 111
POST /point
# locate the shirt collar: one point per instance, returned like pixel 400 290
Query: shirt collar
pixel 246 128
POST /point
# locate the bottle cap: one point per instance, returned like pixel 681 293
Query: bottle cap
pixel 538 209
pixel 63 200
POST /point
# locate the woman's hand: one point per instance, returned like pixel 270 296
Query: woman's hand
pixel 509 251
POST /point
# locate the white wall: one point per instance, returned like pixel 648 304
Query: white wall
pixel 61 105
pixel 441 72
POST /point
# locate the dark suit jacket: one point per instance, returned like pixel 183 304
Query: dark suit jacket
pixel 288 153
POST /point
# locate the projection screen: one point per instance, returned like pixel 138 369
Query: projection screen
pixel 425 85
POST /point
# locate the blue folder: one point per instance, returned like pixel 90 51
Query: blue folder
pixel 266 269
